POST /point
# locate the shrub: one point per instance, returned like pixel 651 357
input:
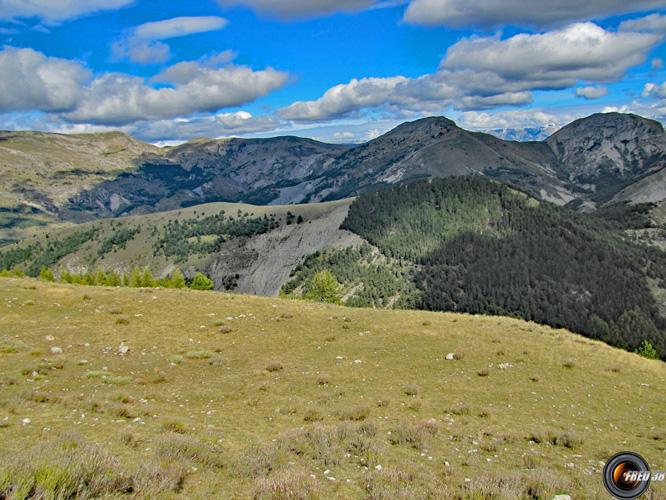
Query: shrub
pixel 286 485
pixel 202 282
pixel 174 426
pixel 177 448
pixel 65 468
pixel 176 359
pixel 313 415
pixel 411 390
pixel 177 279
pixel 45 274
pixel 647 350
pixel 274 367
pixel 198 355
pixel 356 413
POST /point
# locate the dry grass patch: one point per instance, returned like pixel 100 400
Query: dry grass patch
pixel 71 467
pixel 287 485
pixel 175 448
pixel 198 355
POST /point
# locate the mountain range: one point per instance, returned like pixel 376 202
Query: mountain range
pixel 588 163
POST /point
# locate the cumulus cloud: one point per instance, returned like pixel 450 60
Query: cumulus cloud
pixel 119 99
pixel 654 23
pixel 518 12
pixel 555 59
pixel 513 119
pixel 142 45
pixel 56 10
pixel 655 90
pixel 343 99
pixel 591 93
pixel 32 81
pixel 289 9
pixel 215 126
pixel 486 72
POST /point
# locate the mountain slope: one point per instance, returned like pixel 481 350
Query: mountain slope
pixel 44 170
pixel 607 151
pixel 306 398
pixel 437 147
pixel 248 170
pixel 245 248
pixel 478 246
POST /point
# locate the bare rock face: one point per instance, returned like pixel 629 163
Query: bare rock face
pixel 608 148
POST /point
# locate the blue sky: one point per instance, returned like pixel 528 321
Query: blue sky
pixel 335 70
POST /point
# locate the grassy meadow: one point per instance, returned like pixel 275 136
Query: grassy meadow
pixel 150 393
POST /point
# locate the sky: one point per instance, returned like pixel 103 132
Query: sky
pixel 334 70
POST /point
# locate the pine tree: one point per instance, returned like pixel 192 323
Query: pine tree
pixel 323 287
pixel 202 282
pixel 177 279
pixel 147 280
pixel 135 280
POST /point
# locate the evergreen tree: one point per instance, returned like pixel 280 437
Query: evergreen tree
pixel 323 287
pixel 45 274
pixel 135 279
pixel 147 280
pixel 202 282
pixel 177 279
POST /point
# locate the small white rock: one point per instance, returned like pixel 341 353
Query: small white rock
pixel 562 497
pixel 50 338
pixel 26 421
pixel 123 349
pixel 378 467
pixel 450 356
pixel 56 350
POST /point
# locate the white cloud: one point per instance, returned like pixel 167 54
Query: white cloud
pixel 289 9
pixel 142 44
pixel 655 90
pixel 344 99
pixel 657 63
pixel 654 23
pixel 32 81
pixel 215 126
pixel 591 93
pixel 219 58
pixel 513 119
pixel 119 99
pixel 56 10
pixel 140 51
pixel 487 72
pixel 179 26
pixel 555 59
pixel 518 12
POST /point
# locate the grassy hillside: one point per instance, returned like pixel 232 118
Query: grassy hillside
pixel 231 396
pixel 245 247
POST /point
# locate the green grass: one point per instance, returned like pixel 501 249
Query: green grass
pixel 381 415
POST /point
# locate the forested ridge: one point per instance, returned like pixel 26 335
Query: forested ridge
pixel 479 246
